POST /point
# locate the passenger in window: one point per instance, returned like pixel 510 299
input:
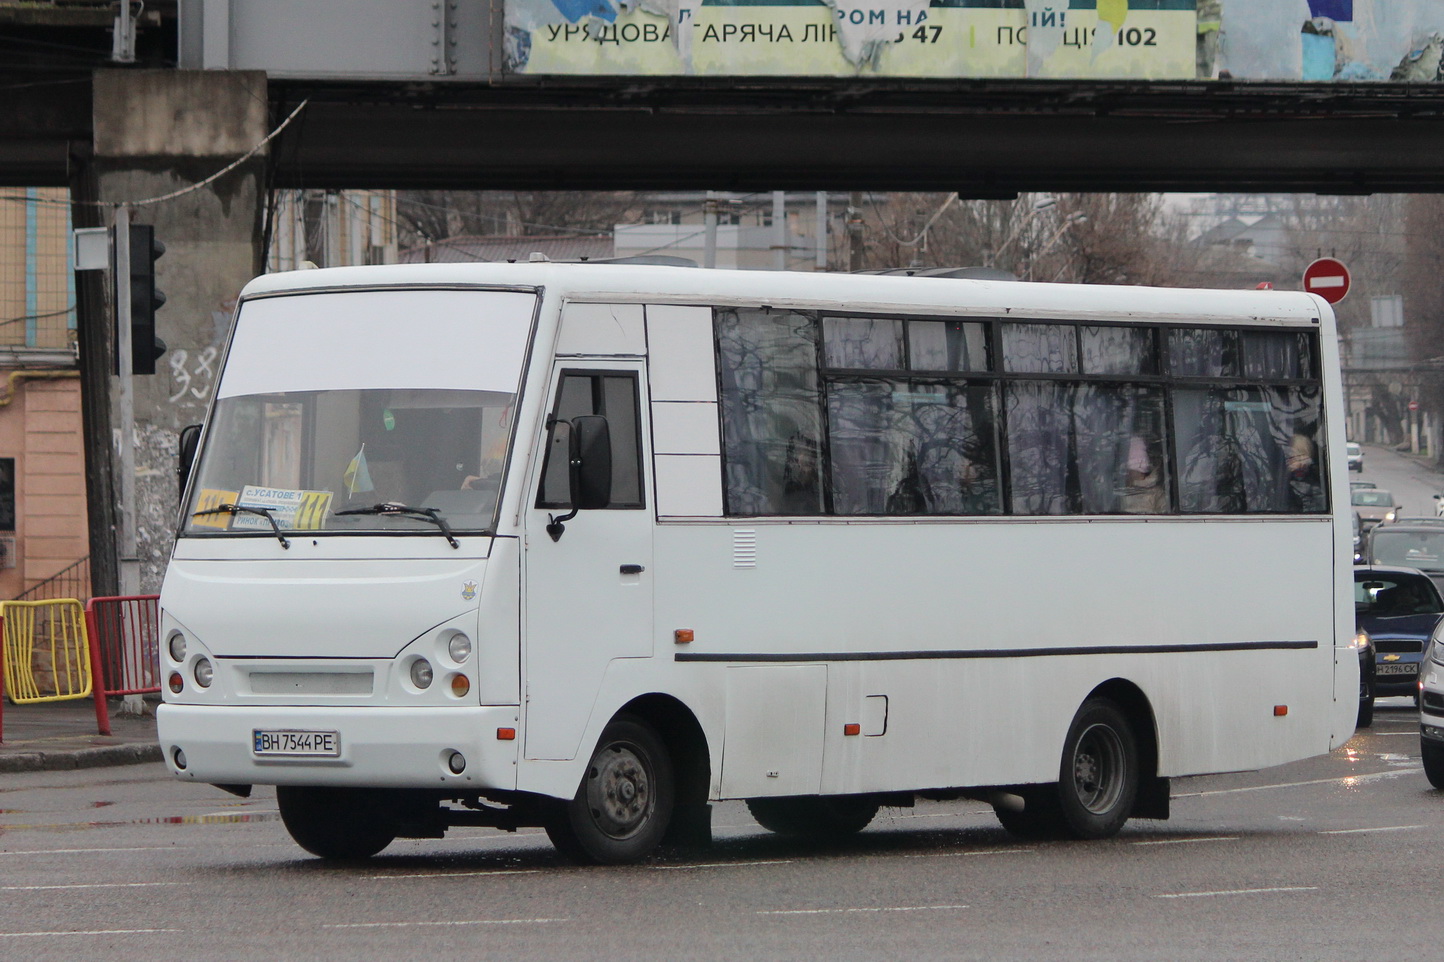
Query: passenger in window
pixel 1144 492
pixel 799 477
pixel 1305 491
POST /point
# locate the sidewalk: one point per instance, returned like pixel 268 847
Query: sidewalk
pixel 54 736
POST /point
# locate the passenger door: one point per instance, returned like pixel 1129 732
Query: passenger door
pixel 588 594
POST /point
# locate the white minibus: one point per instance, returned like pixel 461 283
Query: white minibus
pixel 589 547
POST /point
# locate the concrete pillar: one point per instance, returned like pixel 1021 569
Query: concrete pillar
pixel 159 132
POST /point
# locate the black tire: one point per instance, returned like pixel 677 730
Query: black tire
pixel 1433 764
pixel 1366 700
pixel 1366 713
pixel 624 803
pixel 341 824
pixel 1098 778
pixel 816 817
pixel 1039 818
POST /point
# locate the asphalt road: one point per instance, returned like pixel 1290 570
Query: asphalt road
pixel 1412 484
pixel 1332 858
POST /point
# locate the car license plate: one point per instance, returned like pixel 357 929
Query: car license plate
pixel 1397 669
pixel 286 741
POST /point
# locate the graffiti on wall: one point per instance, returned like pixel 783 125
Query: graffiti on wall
pixel 1311 40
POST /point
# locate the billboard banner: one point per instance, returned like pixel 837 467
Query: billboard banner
pixel 1316 40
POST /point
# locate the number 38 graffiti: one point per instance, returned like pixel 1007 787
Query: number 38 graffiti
pixel 192 374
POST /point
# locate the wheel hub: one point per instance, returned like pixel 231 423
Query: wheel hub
pixel 1098 769
pixel 619 791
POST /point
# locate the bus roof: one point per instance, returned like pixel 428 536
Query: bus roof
pixel 825 291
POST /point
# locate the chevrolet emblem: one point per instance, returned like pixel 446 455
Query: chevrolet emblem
pixel 1391 657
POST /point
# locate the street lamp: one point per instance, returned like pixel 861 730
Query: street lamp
pixel 1039 205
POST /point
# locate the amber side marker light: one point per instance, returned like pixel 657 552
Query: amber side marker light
pixel 683 635
pixel 1280 711
pixel 506 734
pixel 852 728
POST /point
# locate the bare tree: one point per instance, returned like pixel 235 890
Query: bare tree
pixel 1080 238
pixel 434 215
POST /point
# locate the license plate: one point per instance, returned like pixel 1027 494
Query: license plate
pixel 1397 669
pixel 286 741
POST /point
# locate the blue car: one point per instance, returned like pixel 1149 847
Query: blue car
pixel 1398 609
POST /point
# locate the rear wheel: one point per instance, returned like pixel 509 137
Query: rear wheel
pixel 1433 764
pixel 1097 781
pixel 624 803
pixel 813 816
pixel 341 824
pixel 1038 818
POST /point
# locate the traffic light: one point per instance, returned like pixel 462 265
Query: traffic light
pixel 145 299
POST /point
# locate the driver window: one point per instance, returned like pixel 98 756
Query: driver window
pixel 614 396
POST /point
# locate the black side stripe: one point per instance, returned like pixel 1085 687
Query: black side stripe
pixel 994 652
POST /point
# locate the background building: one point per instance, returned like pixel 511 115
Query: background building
pixel 43 516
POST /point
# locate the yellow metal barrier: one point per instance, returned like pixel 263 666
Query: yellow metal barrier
pixel 47 654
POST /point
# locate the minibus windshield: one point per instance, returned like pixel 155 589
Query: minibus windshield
pixel 363 413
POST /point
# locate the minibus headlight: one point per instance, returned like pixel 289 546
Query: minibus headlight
pixel 421 673
pixel 176 645
pixel 204 672
pixel 1436 652
pixel 459 648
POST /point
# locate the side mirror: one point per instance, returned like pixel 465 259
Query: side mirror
pixel 190 438
pixel 591 462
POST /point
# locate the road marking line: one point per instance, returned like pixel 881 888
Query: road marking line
pixel 403 925
pixel 1350 779
pixel 89 851
pixel 673 868
pixel 41 935
pixel 84 885
pixel 1200 895
pixel 991 851
pixel 893 908
pixel 1188 841
pixel 1361 831
pixel 504 871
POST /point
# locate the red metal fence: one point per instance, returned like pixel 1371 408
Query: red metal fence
pixel 124 636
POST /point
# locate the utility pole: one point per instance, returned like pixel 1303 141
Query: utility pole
pixel 120 271
pixel 779 230
pixel 709 230
pixel 820 245
pixel 854 231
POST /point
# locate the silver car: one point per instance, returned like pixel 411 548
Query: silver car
pixel 1373 505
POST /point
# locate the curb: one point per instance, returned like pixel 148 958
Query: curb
pixel 58 761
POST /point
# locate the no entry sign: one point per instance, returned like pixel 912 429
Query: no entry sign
pixel 1328 278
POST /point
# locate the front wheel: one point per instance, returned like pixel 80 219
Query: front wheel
pixel 1433 764
pixel 341 824
pixel 623 806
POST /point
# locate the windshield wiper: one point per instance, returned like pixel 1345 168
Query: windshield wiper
pixel 234 509
pixel 391 507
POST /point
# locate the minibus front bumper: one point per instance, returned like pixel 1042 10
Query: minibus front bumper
pixel 344 746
